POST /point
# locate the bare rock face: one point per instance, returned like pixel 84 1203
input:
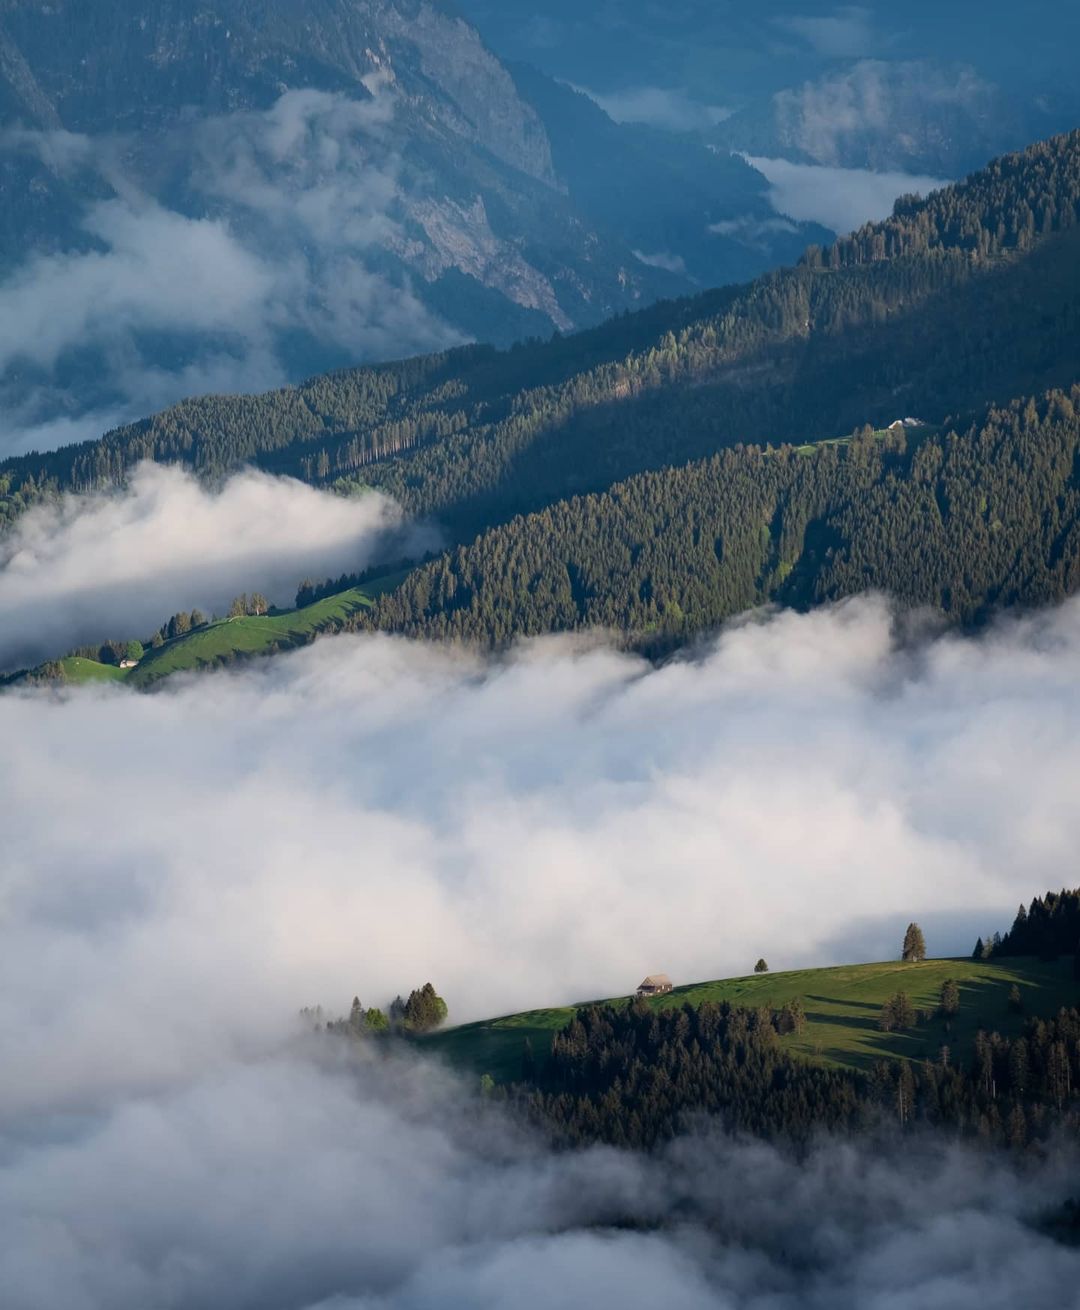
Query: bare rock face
pixel 95 65
pixel 262 189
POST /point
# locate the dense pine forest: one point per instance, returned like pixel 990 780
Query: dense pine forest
pixel 1049 928
pixel 964 521
pixel 970 297
pixel 632 1075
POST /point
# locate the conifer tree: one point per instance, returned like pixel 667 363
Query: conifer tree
pixel 950 997
pixel 914 944
pixel 761 967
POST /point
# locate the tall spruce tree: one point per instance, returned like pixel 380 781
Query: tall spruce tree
pixel 914 944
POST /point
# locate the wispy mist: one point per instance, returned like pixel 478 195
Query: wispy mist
pixel 118 565
pixel 275 225
pixel 842 199
pixel 302 1180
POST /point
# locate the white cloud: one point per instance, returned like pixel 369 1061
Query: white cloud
pixel 890 116
pixel 658 107
pixel 662 259
pixel 370 813
pixel 182 871
pixel 842 199
pixel 117 565
pixel 297 1182
pixel 280 217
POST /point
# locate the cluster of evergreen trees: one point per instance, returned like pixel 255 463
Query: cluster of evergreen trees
pixel 1049 928
pixel 423 1012
pixel 631 1076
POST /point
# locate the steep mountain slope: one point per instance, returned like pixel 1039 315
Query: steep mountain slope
pixel 967 522
pixel 969 297
pixel 197 197
pixel 957 302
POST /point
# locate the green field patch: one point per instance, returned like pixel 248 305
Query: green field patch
pixel 253 634
pixel 80 671
pixel 842 1008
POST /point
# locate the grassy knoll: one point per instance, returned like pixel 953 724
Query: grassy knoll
pixel 842 1007
pixel 79 671
pixel 253 635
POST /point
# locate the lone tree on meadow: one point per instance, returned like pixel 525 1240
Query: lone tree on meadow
pixel 914 944
pixel 761 967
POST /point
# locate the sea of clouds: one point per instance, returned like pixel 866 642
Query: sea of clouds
pixel 183 870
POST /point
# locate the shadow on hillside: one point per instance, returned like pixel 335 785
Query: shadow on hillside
pixel 845 1002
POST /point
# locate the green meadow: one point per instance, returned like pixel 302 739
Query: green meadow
pixel 842 1008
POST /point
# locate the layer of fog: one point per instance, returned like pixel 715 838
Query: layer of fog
pixel 656 106
pixel 91 568
pixel 840 198
pixel 369 813
pixel 184 870
pixel 269 240
pixel 299 1181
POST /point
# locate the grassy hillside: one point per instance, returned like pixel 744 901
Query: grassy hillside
pixel 79 671
pixel 842 1007
pixel 251 635
pixel 222 641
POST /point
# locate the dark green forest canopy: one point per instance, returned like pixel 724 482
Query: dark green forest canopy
pixel 631 1075
pixel 966 522
pixel 969 297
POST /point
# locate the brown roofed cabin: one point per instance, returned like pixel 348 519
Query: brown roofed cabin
pixel 656 984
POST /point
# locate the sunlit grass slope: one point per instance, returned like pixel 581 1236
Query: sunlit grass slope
pixel 254 635
pixel 79 671
pixel 842 1007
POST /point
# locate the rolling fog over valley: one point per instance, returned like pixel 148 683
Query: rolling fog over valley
pixel 155 956
pixel 539 629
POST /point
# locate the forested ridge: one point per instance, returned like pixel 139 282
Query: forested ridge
pixel 631 1075
pixel 965 521
pixel 969 297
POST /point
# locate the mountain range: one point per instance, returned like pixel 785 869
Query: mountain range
pixel 897 411
pixel 218 196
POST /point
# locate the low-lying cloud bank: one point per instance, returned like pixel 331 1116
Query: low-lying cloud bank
pixel 182 871
pixel 118 565
pixel 295 1183
pixel 839 198
pixel 369 813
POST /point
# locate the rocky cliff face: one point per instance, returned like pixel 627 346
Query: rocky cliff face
pixel 224 194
